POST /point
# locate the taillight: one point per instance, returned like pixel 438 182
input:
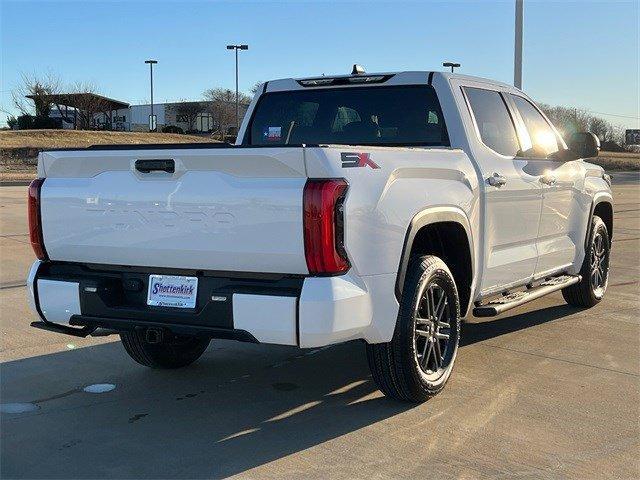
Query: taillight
pixel 324 226
pixel 35 220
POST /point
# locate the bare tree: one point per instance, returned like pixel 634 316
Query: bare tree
pixel 570 120
pixel 38 87
pixel 601 128
pixel 88 103
pixel 189 111
pixel 256 87
pixel 223 107
pixel 45 92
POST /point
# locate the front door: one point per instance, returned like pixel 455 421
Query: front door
pixel 513 195
pixel 559 222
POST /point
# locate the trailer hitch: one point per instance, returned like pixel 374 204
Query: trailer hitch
pixel 153 335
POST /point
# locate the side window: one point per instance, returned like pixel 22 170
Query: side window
pixel 542 140
pixel 497 130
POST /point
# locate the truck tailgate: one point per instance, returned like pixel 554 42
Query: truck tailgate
pixel 222 209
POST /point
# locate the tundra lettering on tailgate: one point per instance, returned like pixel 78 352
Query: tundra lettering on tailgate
pixel 354 159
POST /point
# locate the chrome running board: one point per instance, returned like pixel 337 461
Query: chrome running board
pixel 515 299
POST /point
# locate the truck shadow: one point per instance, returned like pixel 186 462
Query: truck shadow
pixel 241 406
pixel 484 329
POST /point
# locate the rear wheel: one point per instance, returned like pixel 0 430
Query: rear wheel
pixel 172 351
pixel 594 271
pixel 418 361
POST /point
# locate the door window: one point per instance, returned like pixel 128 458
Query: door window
pixel 494 122
pixel 542 140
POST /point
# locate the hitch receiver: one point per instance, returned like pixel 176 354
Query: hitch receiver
pixel 153 335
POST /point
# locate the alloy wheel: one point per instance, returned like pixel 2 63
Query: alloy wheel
pixel 435 332
pixel 599 264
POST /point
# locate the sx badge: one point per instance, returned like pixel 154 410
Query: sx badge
pixel 354 159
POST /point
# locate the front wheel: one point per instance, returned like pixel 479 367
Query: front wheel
pixel 172 352
pixel 594 271
pixel 418 361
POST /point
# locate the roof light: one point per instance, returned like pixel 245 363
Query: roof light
pixel 314 82
pixel 344 80
pixel 367 79
pixel 357 70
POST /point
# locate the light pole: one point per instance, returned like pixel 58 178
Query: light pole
pixel 152 125
pixel 451 64
pixel 236 48
pixel 517 53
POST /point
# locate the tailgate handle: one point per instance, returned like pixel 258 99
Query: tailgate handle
pixel 161 165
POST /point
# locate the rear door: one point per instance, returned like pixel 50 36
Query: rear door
pixel 513 196
pixel 222 209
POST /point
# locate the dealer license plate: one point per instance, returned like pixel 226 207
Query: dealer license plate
pixel 172 291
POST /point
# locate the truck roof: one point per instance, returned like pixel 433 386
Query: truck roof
pixel 387 78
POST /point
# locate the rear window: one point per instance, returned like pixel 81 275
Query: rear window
pixel 405 115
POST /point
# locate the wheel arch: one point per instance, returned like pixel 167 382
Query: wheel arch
pixel 424 236
pixel 602 206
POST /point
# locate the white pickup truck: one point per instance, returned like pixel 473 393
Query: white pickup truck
pixel 378 207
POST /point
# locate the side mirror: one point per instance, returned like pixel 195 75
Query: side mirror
pixel 584 145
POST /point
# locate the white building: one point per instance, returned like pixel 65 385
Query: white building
pixel 177 117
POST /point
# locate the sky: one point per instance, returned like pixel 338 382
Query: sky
pixel 582 54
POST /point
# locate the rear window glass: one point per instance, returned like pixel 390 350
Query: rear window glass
pixel 406 115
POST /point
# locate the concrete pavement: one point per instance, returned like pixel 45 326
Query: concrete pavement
pixel 544 391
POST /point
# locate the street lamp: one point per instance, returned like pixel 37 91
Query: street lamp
pixel 451 64
pixel 236 48
pixel 152 123
pixel 517 47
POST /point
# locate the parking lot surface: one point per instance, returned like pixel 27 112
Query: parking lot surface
pixel 544 391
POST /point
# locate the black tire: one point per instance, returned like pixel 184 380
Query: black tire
pixel 172 352
pixel 590 290
pixel 398 367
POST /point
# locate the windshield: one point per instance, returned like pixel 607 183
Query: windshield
pixel 397 115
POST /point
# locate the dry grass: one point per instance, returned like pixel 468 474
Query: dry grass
pixel 18 176
pixel 620 161
pixel 19 148
pixel 17 169
pixel 43 139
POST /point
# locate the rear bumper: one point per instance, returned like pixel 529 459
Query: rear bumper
pixel 286 310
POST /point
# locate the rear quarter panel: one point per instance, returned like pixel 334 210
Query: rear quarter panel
pixel 379 207
pixel 381 202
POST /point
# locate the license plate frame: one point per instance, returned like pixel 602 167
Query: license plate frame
pixel 172 291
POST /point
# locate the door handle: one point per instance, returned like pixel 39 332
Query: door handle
pixel 496 180
pixel 153 165
pixel 548 179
